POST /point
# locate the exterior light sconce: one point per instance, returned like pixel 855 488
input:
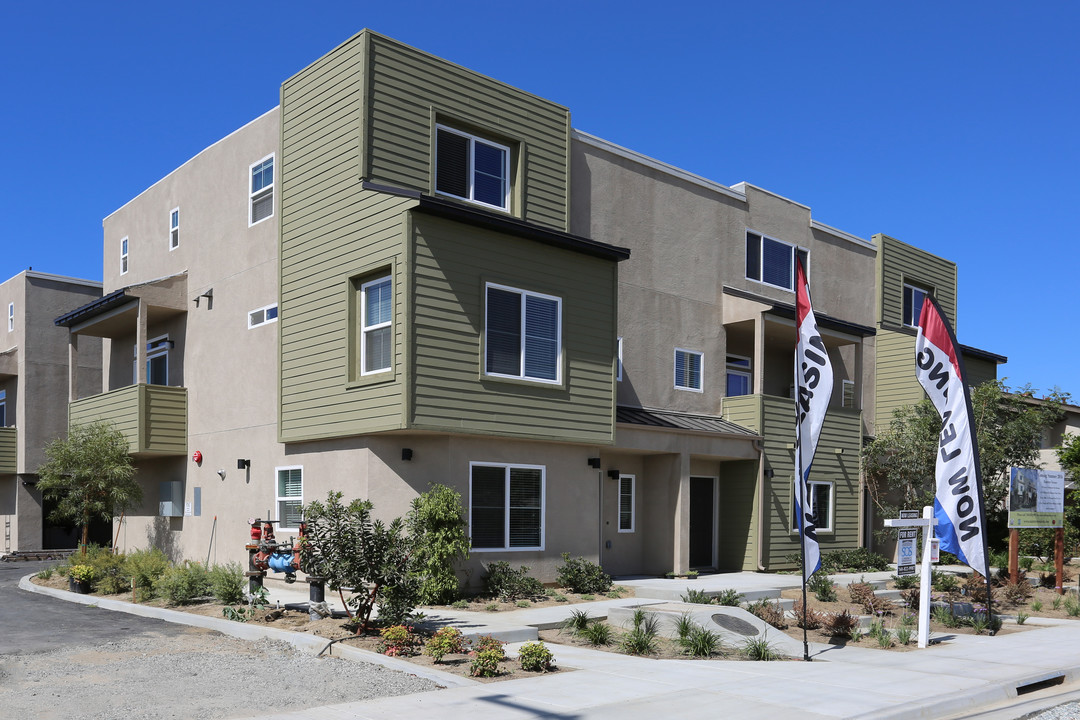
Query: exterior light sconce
pixel 406 453
pixel 613 474
pixel 221 473
pixel 594 463
pixel 243 464
pixel 769 472
pixel 209 295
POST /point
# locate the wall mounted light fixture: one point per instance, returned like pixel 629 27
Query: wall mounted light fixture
pixel 406 453
pixel 594 463
pixel 243 464
pixel 613 474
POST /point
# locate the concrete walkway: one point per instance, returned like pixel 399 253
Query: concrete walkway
pixel 956 677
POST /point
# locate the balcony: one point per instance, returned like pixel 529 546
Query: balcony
pixel 9 450
pixel 153 418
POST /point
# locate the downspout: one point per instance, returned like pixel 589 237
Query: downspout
pixel 760 445
pixel 600 519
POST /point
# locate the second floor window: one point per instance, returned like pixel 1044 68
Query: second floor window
pixel 123 256
pixel 377 307
pixel 913 301
pixel 772 261
pixel 738 376
pixel 523 334
pixel 262 190
pixel 174 229
pixel 687 370
pixel 3 408
pixel 472 168
pixel 11 317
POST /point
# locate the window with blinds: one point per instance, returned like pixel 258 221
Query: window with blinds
pixel 472 168
pixel 290 497
pixel 687 370
pixel 523 334
pixel 626 503
pixel 772 261
pixel 376 310
pixel 506 506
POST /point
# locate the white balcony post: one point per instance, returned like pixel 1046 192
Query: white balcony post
pixel 140 344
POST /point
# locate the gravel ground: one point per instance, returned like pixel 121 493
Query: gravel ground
pixel 199 674
pixel 1068 711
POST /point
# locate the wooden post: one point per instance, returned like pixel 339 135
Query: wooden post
pixel 1059 559
pixel 1014 555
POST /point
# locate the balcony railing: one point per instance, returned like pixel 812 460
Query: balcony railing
pixel 153 418
pixel 9 450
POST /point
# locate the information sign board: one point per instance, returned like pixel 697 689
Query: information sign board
pixel 905 552
pixel 1036 498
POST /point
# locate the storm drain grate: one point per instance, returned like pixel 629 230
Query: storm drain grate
pixel 1040 685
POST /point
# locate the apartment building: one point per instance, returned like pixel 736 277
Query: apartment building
pixel 411 273
pixel 33 401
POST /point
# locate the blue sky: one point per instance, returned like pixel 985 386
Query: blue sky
pixel 951 126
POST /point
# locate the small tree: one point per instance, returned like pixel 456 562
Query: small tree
pixel 89 474
pixel 352 551
pixel 437 527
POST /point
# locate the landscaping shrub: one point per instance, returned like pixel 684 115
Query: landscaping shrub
pixel 535 657
pixel 863 594
pixel 144 567
pixel 577 621
pixel 183 584
pixel 905 582
pixel 823 588
pixel 840 624
pixel 581 576
pixel 808 617
pixel 597 633
pixel 769 612
pixel 728 598
pixel 227 583
pixel 854 560
pixel 439 534
pixel 975 588
pixel 485 663
pixel 944 582
pixel 697 597
pixel 701 642
pixel 1017 592
pixel 759 648
pixel 110 575
pixel 445 641
pixel 399 641
pixel 504 582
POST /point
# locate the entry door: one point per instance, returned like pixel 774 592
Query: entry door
pixel 702 522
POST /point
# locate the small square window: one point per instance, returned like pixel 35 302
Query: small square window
pixel 261 204
pixel 262 315
pixel 772 261
pixel 472 168
pixel 290 497
pixel 174 229
pixel 913 302
pixel 688 370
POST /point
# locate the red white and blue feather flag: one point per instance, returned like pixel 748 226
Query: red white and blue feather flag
pixel 958 503
pixel 814 383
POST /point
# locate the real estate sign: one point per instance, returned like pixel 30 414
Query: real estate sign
pixel 1036 498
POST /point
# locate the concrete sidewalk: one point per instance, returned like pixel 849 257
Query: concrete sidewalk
pixel 958 676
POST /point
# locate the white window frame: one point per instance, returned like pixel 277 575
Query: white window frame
pixel 506 505
pixel 255 195
pixel 633 504
pixel 795 251
pixel 701 370
pixel 844 391
pixel 832 506
pixel 618 366
pixel 264 321
pixel 174 228
pixel 3 408
pixel 365 328
pixel 279 498
pixel 746 371
pixel 11 317
pixel 912 322
pixel 522 340
pixel 123 256
pixel 470 170
pixel 151 353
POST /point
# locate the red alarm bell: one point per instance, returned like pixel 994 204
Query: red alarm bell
pixel 196 456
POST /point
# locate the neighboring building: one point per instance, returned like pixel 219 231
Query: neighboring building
pixel 33 400
pixel 411 273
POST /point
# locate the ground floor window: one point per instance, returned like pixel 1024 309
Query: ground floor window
pixel 506 506
pixel 626 503
pixel 821 499
pixel 290 497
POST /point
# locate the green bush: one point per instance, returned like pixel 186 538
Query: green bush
pixel 697 597
pixel 905 582
pixel 581 576
pixel 183 584
pixel 701 642
pixel 504 582
pixel 81 573
pixel 729 597
pixel 486 663
pixel 823 588
pixel 109 571
pixel 769 612
pixel 399 641
pixel 227 583
pixel 438 530
pixel 445 641
pixel 854 560
pixel 535 657
pixel 144 567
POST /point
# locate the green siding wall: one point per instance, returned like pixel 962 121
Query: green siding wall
pixel 152 418
pixel 9 450
pixel 900 263
pixel 774 418
pixel 452 264
pixel 896 384
pixel 738 516
pixel 409 90
pixel 979 370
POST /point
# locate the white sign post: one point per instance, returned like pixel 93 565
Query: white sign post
pixel 927 523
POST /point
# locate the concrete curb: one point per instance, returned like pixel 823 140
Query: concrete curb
pixel 301 641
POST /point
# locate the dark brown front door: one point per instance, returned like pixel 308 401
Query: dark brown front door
pixel 702 514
